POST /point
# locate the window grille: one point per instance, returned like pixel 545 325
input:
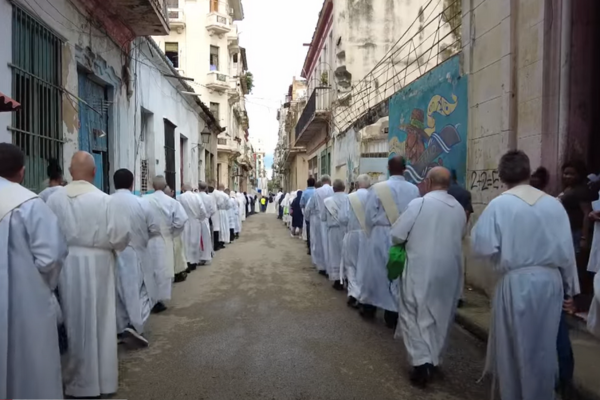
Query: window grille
pixel 36 84
pixel 170 150
pixel 144 177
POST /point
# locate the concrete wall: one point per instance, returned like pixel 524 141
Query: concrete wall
pixel 346 157
pixel 376 168
pixel 428 122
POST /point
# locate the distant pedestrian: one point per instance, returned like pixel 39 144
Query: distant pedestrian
pixel 297 215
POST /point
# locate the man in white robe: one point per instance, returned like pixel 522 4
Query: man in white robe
pixel 386 201
pixel 206 248
pixel 352 215
pixel 278 207
pixel 320 195
pixel 192 232
pixel 181 265
pixel 215 221
pixel 432 228
pixel 311 214
pixel 161 249
pixel 95 229
pixel 135 280
pixel 233 214
pixel 32 256
pixel 526 235
pixel 336 231
pixel 241 198
pixel 223 206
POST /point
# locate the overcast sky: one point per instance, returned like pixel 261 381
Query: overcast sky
pixel 273 33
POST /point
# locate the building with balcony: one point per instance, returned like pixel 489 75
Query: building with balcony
pixel 206 48
pixel 91 81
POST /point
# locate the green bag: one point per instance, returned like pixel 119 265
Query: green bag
pixel 396 262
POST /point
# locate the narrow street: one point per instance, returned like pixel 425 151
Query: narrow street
pixel 260 323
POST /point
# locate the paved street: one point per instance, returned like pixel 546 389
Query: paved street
pixel 260 323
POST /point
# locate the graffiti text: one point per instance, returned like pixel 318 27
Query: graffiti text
pixel 484 180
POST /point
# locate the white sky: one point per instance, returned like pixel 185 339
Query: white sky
pixel 273 32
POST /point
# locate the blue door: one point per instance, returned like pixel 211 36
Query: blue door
pixel 93 129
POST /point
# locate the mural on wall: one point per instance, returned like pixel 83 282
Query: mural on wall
pixel 347 153
pixel 428 122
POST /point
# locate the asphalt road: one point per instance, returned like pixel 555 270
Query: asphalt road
pixel 260 323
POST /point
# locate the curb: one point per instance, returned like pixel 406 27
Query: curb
pixel 580 392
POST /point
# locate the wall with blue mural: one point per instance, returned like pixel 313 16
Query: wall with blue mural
pixel 428 122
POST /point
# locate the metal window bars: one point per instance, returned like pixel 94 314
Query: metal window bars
pixel 36 84
pixel 436 36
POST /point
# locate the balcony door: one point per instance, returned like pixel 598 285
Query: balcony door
pixel 214 5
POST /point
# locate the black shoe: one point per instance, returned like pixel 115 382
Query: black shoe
pixel 352 302
pixel 180 277
pixel 421 375
pixel 367 311
pixel 191 267
pixel 130 336
pixel 337 285
pixel 237 235
pixel 460 303
pixel 324 273
pixel 391 319
pixel 158 308
pixel 309 253
pixel 202 262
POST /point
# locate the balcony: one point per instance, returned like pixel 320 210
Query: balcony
pixel 217 81
pixel 218 24
pixel 228 146
pixel 142 17
pixel 177 19
pixel 233 91
pixel 233 41
pixel 315 116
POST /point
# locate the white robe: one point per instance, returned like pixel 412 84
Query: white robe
pixel 206 234
pixel 311 214
pixel 335 232
pixel 192 232
pixel 49 191
pixel 215 217
pixel 136 286
pixel 432 280
pixel 376 288
pixel 594 261
pixel 531 248
pixel 593 322
pixel 354 240
pixel 242 207
pixel 33 252
pixel 161 249
pixel 94 228
pixel 320 237
pixel 234 215
pixel 223 206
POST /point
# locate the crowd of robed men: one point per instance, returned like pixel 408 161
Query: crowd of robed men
pixel 82 268
pixel 523 233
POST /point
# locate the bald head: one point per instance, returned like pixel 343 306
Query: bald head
pixel 83 167
pixel 396 166
pixel 159 183
pixel 440 178
pixel 186 188
pixel 202 186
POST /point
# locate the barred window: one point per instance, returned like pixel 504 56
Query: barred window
pixel 36 84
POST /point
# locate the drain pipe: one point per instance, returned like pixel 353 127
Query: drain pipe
pixel 565 82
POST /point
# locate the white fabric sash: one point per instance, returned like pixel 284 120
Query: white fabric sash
pixel 332 208
pixel 528 194
pixel 384 193
pixel 12 196
pixel 77 188
pixel 358 210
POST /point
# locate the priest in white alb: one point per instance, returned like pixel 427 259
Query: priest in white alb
pixel 526 236
pixel 223 204
pixel 135 282
pixel 192 232
pixel 386 202
pixel 33 252
pixel 161 249
pixel 352 215
pixel 206 248
pixel 335 231
pixel 95 229
pixel 318 206
pixel 431 228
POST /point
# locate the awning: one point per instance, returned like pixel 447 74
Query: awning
pixel 8 104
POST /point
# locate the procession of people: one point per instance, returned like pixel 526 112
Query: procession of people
pixel 88 269
pixel 356 240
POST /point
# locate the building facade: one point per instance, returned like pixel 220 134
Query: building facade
pixel 87 79
pixel 204 45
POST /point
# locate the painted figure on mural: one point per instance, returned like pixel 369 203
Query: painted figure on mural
pixel 415 136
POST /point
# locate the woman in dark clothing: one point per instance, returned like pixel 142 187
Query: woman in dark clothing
pixel 297 216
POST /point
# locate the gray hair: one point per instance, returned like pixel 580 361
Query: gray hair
pixel 339 185
pixel 187 187
pixel 159 182
pixel 202 186
pixel 363 181
pixel 326 179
